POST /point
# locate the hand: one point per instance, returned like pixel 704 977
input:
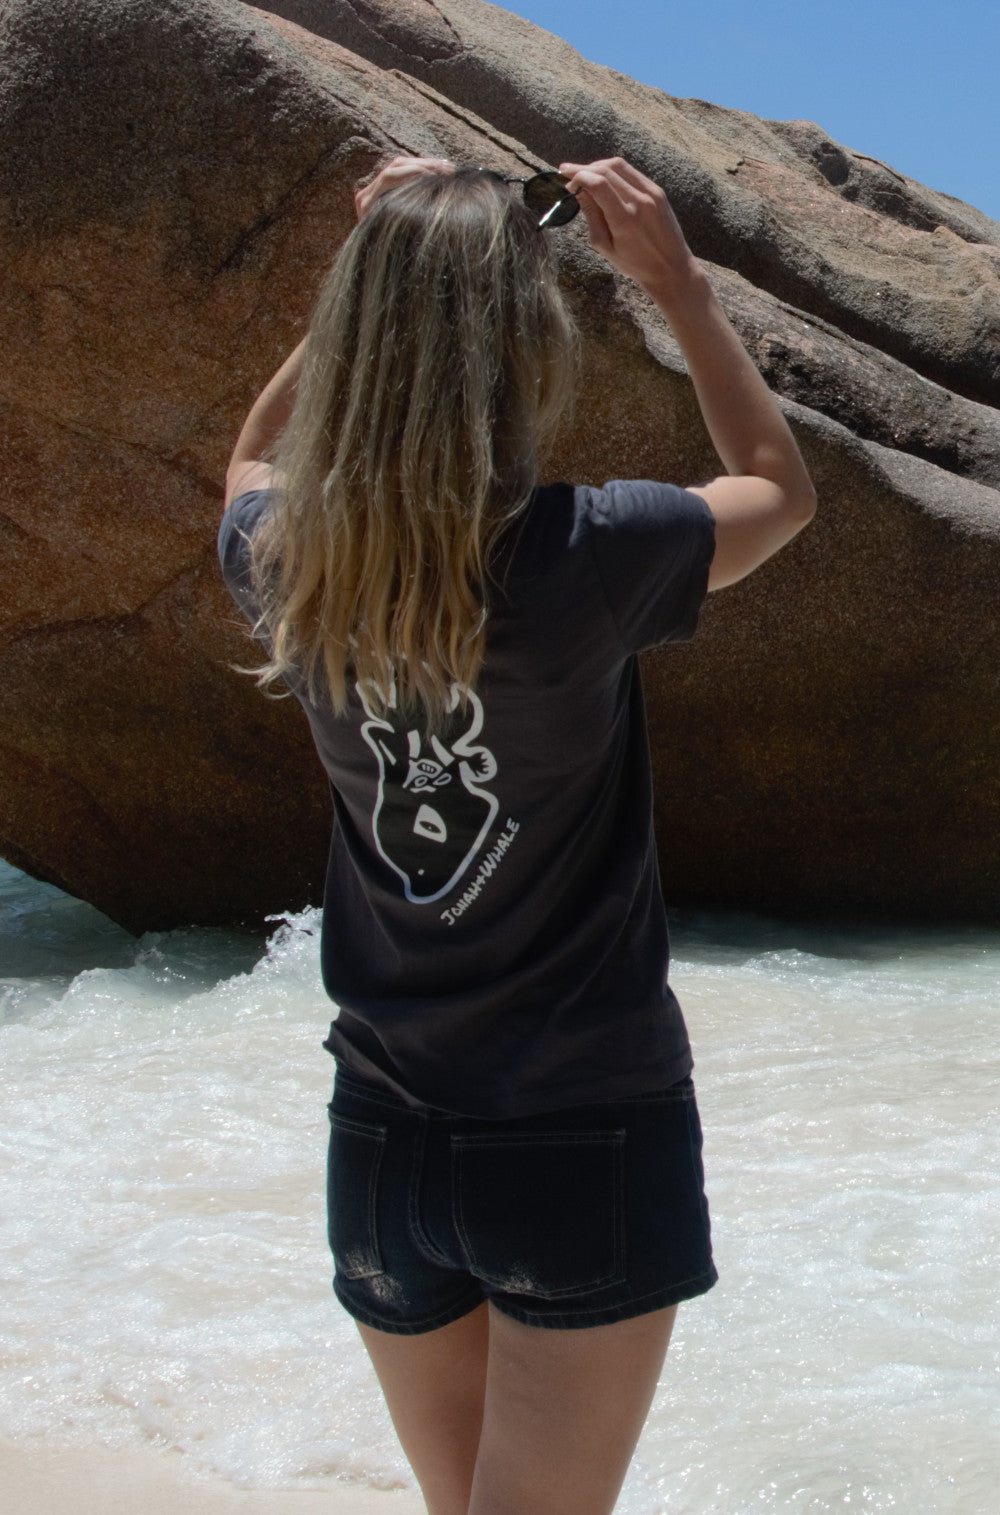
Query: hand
pixel 393 175
pixel 631 223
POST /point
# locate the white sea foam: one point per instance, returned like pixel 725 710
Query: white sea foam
pixel 163 1257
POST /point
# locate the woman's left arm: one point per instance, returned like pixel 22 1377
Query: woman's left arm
pixel 248 467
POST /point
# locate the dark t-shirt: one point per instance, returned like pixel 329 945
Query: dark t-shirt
pixel 493 928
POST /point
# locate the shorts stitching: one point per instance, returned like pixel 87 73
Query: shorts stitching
pixel 621 1252
pixel 674 1293
pixel 421 1240
pixel 359 1127
pixel 407 1327
pixel 373 1096
pixel 616 1274
pixel 537 1139
pixel 379 1135
pixel 676 1094
pixel 694 1150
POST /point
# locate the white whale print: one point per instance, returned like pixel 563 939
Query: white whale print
pixel 432 813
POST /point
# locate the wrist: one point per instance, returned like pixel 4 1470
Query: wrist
pixel 677 285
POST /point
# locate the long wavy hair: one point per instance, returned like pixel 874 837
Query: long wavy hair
pixel 438 363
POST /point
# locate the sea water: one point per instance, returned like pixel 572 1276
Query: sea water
pixel 163 1268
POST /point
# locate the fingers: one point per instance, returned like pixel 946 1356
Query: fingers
pixel 600 233
pixel 614 184
pixel 630 219
pixel 398 172
pixel 611 202
pixel 613 169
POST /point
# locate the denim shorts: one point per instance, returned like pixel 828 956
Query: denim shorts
pixel 578 1217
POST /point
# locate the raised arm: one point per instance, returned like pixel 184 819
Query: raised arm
pixel 248 467
pixel 766 495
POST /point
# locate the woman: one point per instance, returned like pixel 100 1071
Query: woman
pixel 516 1202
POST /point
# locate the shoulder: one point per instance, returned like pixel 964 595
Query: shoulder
pixel 643 508
pixel 563 519
pixel 241 518
pixel 653 545
pixel 239 522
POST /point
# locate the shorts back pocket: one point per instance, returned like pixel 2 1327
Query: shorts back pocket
pixel 356 1149
pixel 541 1214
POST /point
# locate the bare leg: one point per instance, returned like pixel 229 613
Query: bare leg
pixel 434 1385
pixel 563 1413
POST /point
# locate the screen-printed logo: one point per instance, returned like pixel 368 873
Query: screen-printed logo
pixel 432 813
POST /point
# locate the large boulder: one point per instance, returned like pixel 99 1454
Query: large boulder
pixel 833 231
pixel 174 177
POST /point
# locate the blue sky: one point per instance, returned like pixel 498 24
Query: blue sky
pixel 916 84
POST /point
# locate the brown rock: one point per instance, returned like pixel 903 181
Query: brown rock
pixel 829 230
pixel 174 178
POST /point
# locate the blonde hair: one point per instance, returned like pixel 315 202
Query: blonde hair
pixel 438 362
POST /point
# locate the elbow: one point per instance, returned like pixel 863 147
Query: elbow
pixel 802 505
pixel 809 503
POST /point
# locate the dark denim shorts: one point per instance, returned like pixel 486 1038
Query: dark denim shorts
pixel 578 1217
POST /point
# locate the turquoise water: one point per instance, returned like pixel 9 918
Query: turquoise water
pixel 163 1259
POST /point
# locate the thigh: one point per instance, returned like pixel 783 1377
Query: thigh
pixel 563 1412
pixel 434 1384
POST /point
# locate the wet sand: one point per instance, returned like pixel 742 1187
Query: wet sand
pixel 39 1479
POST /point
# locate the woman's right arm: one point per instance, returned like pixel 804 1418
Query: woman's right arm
pixel 766 495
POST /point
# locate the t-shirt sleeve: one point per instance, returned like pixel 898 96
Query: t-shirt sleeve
pixel 238 525
pixel 653 545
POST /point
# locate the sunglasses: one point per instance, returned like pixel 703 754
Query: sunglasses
pixel 545 195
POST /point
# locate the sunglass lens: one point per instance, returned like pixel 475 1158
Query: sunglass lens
pixel 546 196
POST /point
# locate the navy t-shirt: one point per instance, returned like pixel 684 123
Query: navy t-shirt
pixel 493 927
